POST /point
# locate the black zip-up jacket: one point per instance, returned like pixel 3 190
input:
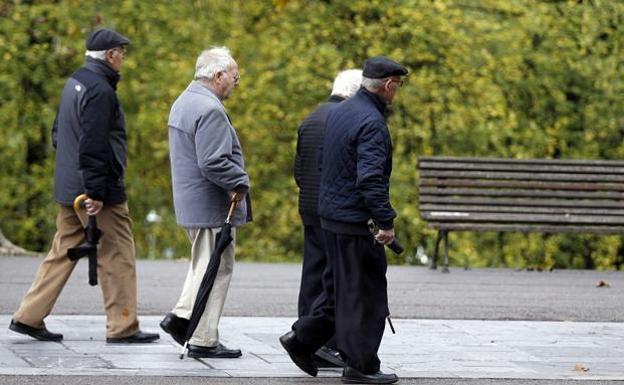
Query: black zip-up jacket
pixel 307 170
pixel 89 135
pixel 356 166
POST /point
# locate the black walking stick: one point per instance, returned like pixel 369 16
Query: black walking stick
pixel 89 246
pixel 396 247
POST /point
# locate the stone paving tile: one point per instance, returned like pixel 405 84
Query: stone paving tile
pixel 422 348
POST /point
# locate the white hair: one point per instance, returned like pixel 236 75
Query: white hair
pixel 212 61
pixel 96 54
pixel 373 84
pixel 347 83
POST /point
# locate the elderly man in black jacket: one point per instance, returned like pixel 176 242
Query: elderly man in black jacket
pixel 356 167
pixel 89 135
pixel 307 177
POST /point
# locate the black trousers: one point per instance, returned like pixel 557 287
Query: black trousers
pixel 353 304
pixel 315 265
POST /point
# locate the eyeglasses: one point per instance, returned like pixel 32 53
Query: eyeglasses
pixel 399 81
pixel 121 50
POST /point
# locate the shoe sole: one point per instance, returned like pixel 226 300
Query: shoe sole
pixel 172 334
pixel 312 372
pixel 148 341
pixel 364 381
pixel 192 355
pixel 17 329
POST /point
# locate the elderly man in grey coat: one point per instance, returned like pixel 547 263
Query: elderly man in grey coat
pixel 208 171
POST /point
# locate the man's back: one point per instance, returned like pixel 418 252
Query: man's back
pixel 90 123
pixel 307 168
pixel 356 147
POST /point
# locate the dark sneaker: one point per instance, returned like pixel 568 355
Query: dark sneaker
pixel 137 338
pixel 353 376
pixel 175 327
pixel 328 358
pixel 298 353
pixel 219 351
pixel 42 334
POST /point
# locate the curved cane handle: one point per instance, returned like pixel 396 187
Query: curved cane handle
pixel 233 204
pixel 78 201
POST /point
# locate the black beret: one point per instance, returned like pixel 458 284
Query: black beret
pixel 380 67
pixel 103 39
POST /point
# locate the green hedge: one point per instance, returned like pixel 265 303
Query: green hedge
pixel 517 79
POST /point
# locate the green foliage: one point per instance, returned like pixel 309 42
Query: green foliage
pixel 521 79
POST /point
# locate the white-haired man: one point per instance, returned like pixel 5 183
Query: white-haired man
pixel 208 171
pixel 307 177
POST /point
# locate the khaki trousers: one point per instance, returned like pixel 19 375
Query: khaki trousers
pixel 202 244
pixel 115 267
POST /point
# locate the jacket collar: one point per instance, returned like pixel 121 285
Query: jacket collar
pixel 375 99
pixel 335 99
pixel 102 68
pixel 198 88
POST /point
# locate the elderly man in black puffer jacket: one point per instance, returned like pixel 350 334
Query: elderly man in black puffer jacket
pixel 356 167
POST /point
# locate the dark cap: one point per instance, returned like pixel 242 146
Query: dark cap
pixel 103 39
pixel 380 67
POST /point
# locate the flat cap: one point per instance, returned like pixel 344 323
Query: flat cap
pixel 379 67
pixel 103 39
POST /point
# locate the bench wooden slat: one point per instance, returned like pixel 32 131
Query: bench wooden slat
pixel 520 209
pixel 522 167
pixel 527 229
pixel 461 192
pixel 523 202
pixel 522 176
pixel 542 185
pixel 466 216
pixel 579 162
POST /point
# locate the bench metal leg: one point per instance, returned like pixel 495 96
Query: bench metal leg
pixel 445 269
pixel 434 260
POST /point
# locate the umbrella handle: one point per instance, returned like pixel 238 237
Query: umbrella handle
pixel 233 204
pixel 78 202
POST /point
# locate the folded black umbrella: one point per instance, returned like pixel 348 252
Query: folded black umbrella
pixel 89 246
pixel 223 239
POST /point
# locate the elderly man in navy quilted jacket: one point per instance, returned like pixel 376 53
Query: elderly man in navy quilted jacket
pixel 355 183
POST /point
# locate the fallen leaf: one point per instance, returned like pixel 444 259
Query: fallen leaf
pixel 581 368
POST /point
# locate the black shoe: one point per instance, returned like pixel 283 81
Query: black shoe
pixel 219 351
pixel 328 358
pixel 175 327
pixel 137 338
pixel 42 334
pixel 298 353
pixel 353 376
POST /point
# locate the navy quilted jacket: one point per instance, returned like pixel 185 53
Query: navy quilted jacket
pixel 356 163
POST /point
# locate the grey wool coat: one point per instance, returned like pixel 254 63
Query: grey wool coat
pixel 206 161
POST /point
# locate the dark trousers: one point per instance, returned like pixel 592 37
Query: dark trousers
pixel 315 266
pixel 354 302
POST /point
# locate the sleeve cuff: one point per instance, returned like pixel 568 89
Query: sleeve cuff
pixel 385 225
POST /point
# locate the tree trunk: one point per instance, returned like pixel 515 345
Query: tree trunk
pixel 8 248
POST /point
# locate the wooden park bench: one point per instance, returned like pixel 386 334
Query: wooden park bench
pixel 545 196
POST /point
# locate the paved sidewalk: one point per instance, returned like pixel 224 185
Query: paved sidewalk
pixel 421 349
